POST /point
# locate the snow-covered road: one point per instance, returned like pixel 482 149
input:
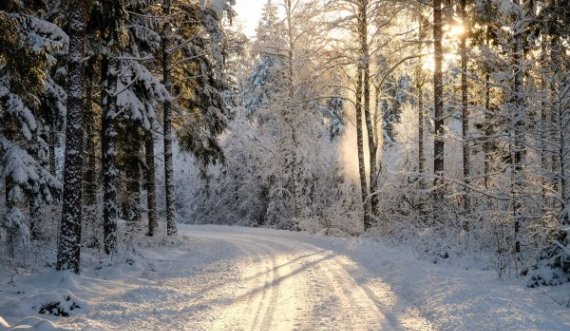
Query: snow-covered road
pixel 290 285
pixel 230 278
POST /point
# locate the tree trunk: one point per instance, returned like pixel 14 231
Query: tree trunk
pixel 11 232
pixel 167 113
pixel 290 115
pixel 421 114
pixel 133 172
pixel 109 141
pixel 368 113
pixel 439 145
pixel 68 253
pixel 487 145
pixel 544 128
pixel 559 121
pixel 465 110
pixel 360 142
pixel 90 174
pixel 35 200
pixel 518 123
pixel 52 142
pixel 150 184
pixel 421 119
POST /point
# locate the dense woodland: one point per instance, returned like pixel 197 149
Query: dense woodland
pixel 442 125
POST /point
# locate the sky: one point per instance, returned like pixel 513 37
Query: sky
pixel 249 12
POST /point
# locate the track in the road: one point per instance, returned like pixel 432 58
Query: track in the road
pixel 288 285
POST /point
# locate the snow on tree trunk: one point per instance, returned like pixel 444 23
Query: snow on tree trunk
pixel 290 116
pixel 109 140
pixel 133 172
pixel 167 113
pixel 487 145
pixel 360 145
pixel 518 125
pixel 150 184
pixel 465 109
pixel 421 113
pixel 439 145
pixel 369 115
pixel 35 203
pixel 559 91
pixel 68 253
pixel 90 166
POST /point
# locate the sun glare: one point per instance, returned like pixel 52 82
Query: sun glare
pixel 456 30
pixel 452 34
pixel 249 13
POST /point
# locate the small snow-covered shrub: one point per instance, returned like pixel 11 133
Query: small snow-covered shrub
pixel 17 234
pixel 59 308
pixel 553 264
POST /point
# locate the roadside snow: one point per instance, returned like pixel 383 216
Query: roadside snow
pixel 230 278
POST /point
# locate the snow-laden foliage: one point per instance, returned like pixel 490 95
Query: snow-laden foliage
pixel 29 98
pixel 138 93
pixel 26 175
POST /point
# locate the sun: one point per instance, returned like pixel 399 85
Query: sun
pixel 453 33
pixel 456 31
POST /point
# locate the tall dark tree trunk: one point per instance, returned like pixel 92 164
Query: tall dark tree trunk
pixel 109 141
pixel 11 232
pixel 290 114
pixel 133 173
pixel 90 166
pixel 465 109
pixel 150 184
pixel 167 123
pixel 35 200
pixel 439 145
pixel 52 144
pixel 518 123
pixel 488 128
pixel 421 118
pixel 421 111
pixel 554 113
pixel 544 127
pixel 68 253
pixel 560 120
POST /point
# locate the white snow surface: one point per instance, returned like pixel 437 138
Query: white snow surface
pixel 231 278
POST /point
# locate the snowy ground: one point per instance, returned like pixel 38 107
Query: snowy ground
pixel 229 278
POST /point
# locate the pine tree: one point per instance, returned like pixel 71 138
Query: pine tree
pixel 68 256
pixel 167 123
pixel 465 105
pixel 439 144
pixel 150 184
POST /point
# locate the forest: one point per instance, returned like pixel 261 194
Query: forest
pixel 437 125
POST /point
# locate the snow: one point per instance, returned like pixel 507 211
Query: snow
pixel 232 278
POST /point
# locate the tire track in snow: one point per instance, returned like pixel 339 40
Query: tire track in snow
pixel 307 285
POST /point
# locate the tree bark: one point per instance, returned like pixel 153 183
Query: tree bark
pixel 368 113
pixel 488 128
pixel 150 184
pixel 109 142
pixel 360 143
pixel 465 109
pixel 133 172
pixel 90 166
pixel 35 200
pixel 518 123
pixel 421 114
pixel 290 114
pixel 439 144
pixel 167 123
pixel 421 118
pixel 68 253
